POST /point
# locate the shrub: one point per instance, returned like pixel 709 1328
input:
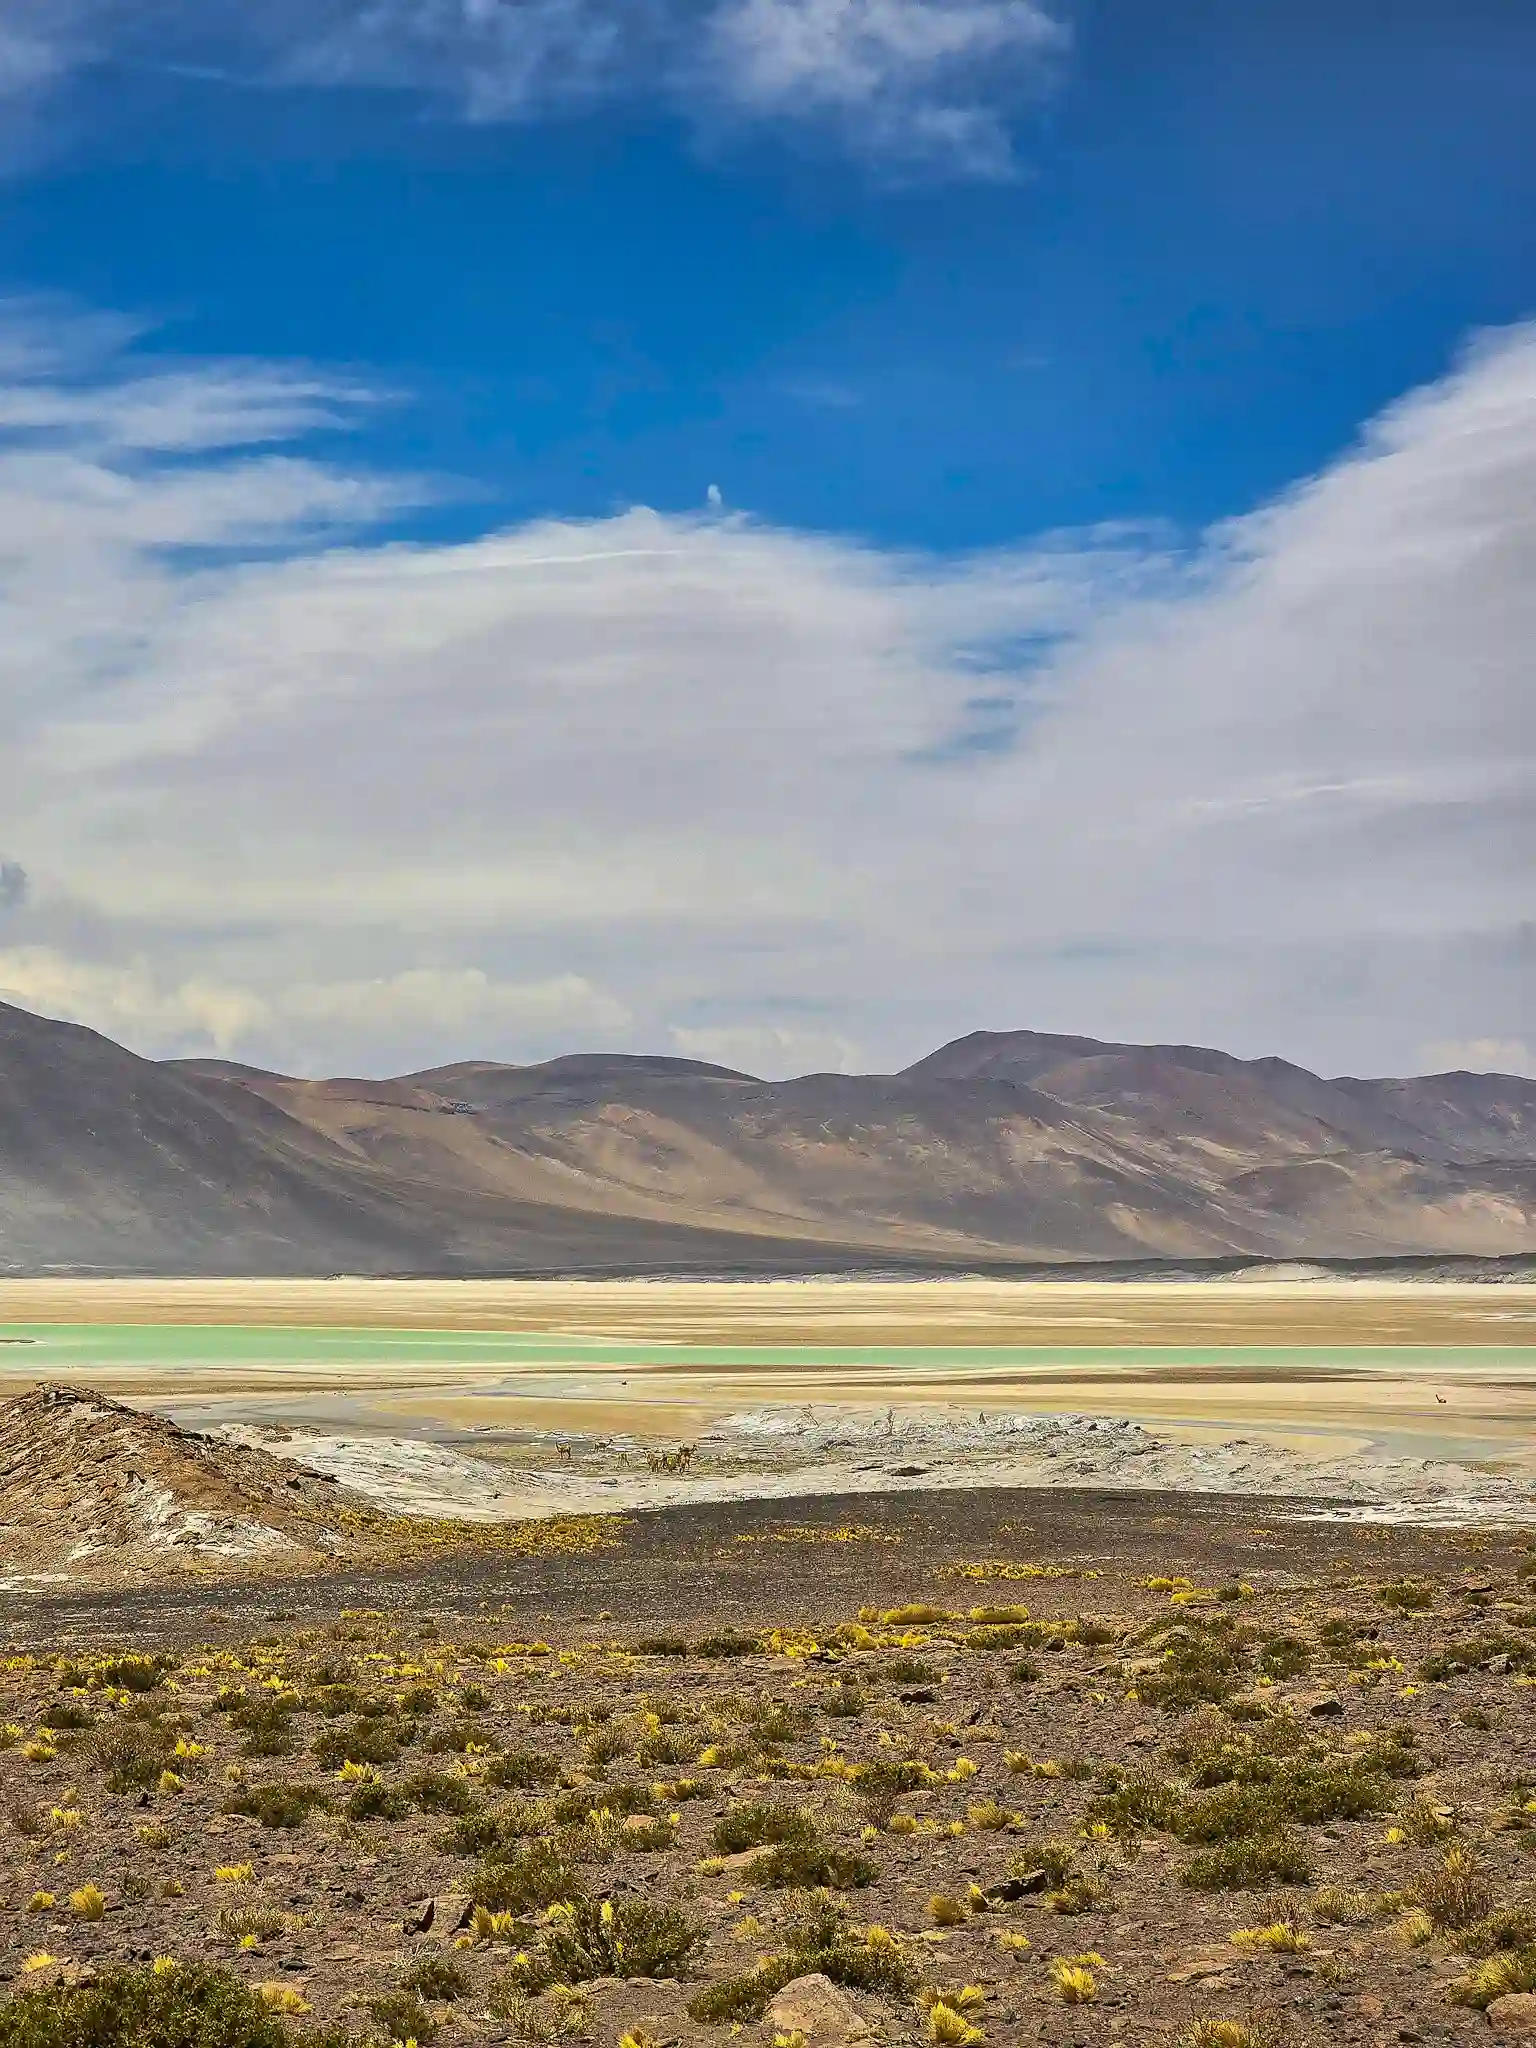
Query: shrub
pixel 521 1770
pixel 1053 1858
pixel 254 1923
pixel 278 1806
pixel 1284 1657
pixel 438 1792
pixel 133 1673
pixel 1408 1596
pixel 437 1977
pixel 374 1801
pixel 760 1824
pixel 191 2006
pixel 812 1866
pixel 623 1937
pixel 1456 1895
pixel 132 1754
pixel 579 1804
pixel 844 1702
pixel 726 1643
pixel 457 1739
pixel 401 2016
pixel 1511 1927
pixel 819 1944
pixel 360 1742
pixel 499 1833
pixel 1336 1907
pixel 539 1875
pixel 1248 1865
pixel 1200 1668
pixel 1510 1971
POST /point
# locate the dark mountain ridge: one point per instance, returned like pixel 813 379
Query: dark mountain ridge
pixel 1000 1148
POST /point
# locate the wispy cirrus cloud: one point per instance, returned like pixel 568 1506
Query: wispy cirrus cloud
pixel 934 85
pixel 320 797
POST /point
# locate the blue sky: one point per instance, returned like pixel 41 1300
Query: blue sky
pixel 1234 233
pixel 984 312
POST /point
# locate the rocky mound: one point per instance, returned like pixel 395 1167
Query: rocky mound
pixel 92 1489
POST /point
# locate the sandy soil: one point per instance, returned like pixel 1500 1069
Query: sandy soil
pixel 944 1312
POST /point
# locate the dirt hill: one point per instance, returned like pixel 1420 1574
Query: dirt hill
pixel 1004 1146
pixel 91 1490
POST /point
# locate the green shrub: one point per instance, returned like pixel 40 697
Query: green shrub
pixel 401 2016
pixel 1408 1596
pixel 528 1879
pixel 761 1824
pixel 726 1642
pixel 437 1977
pixel 1249 1865
pixel 622 1937
pixel 438 1792
pixel 359 1742
pixel 193 2006
pixel 458 1737
pixel 579 1804
pixel 811 1866
pixel 497 1833
pixel 819 1944
pixel 278 1806
pixel 376 1801
pixel 520 1770
pixel 1456 1894
pixel 1054 1858
pixel 134 1673
pixel 132 1754
pixel 1510 1971
pixel 1285 1657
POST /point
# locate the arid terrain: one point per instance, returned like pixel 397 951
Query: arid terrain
pixel 964 1768
pixel 497 1400
pixel 1002 1148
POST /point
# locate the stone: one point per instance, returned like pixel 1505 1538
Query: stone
pixel 1008 1890
pixel 1514 2016
pixel 1323 1705
pixel 445 1914
pixel 814 2007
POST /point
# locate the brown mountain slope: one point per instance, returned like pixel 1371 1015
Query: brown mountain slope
pixel 1001 1146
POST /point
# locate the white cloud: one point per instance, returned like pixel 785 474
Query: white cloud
pixel 769 1050
pixel 425 1002
pixel 129 1001
pixel 606 780
pixel 464 1008
pixel 906 81
pixel 901 76
pixel 1479 1056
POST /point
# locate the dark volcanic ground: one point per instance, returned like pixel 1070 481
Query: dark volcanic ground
pixel 1012 1767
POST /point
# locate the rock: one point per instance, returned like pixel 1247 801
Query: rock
pixel 1514 2016
pixel 1008 1890
pixel 445 1914
pixel 816 2008
pixel 1322 1705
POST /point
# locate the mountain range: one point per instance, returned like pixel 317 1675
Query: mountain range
pixel 1000 1148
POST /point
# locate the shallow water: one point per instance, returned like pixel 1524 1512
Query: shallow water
pixel 168 1347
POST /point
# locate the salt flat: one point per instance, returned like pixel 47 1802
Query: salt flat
pixel 531 1397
